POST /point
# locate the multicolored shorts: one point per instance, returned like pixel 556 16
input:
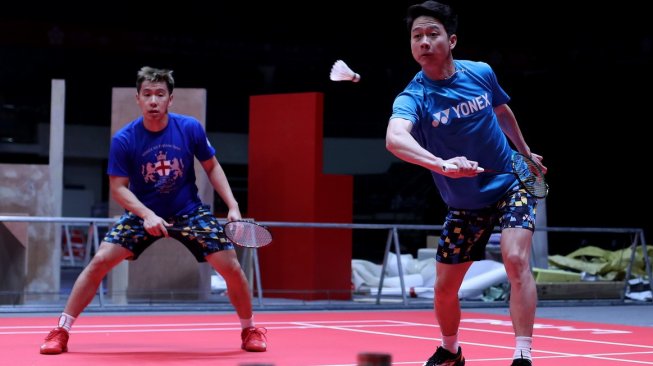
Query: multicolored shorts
pixel 466 232
pixel 129 233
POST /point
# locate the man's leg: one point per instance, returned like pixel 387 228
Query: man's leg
pixel 84 289
pixel 462 241
pixel 448 280
pixel 226 263
pixel 516 252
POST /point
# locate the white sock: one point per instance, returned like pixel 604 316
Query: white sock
pixel 523 348
pixel 247 323
pixel 450 343
pixel 66 321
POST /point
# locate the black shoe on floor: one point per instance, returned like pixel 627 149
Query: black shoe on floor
pixel 443 357
pixel 521 362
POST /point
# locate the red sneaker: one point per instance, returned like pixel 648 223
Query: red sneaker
pixel 56 342
pixel 254 339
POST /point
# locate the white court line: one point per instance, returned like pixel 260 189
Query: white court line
pixel 560 354
pixel 542 336
pixel 188 324
pixel 145 329
pixel 508 359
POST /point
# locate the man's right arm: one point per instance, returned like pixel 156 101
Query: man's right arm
pixel 400 142
pixel 152 223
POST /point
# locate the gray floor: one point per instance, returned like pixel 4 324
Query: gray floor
pixel 626 312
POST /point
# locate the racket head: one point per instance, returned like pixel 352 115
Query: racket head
pixel 247 233
pixel 530 175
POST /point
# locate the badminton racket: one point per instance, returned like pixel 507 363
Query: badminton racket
pixel 526 170
pixel 241 232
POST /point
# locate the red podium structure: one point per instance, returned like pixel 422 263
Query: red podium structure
pixel 286 183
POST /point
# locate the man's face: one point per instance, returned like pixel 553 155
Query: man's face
pixel 429 42
pixel 154 99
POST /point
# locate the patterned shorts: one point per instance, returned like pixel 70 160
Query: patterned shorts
pixel 129 233
pixel 467 232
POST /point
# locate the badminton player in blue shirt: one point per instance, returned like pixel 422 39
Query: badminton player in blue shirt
pixel 152 176
pixel 453 118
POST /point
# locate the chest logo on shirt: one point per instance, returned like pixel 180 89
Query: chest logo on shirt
pixel 462 109
pixel 163 172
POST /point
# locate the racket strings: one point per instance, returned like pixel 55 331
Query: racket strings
pixel 531 176
pixel 247 234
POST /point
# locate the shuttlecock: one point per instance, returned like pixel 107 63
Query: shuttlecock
pixel 341 72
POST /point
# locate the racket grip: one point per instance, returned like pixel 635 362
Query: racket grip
pixel 453 168
pixel 446 167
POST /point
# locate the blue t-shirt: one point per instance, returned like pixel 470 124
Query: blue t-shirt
pixel 160 165
pixel 455 117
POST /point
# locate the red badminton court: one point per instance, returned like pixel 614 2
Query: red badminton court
pixel 315 339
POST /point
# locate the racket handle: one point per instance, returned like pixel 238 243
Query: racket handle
pixel 446 167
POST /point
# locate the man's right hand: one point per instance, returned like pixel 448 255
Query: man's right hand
pixel 155 225
pixel 460 167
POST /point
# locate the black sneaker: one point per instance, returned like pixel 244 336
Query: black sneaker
pixel 443 357
pixel 521 362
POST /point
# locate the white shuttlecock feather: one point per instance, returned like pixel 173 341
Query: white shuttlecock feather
pixel 341 72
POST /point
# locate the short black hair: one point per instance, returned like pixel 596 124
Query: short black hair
pixel 442 12
pixel 151 74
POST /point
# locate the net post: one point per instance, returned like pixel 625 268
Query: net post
pixel 257 276
pixel 395 236
pixel 383 267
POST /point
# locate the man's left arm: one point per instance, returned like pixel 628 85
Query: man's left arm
pixel 219 181
pixel 510 127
